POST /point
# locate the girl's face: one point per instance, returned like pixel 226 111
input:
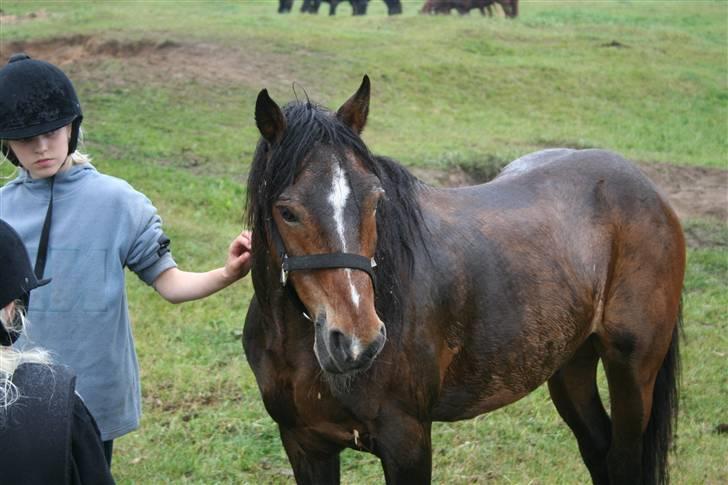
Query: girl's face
pixel 44 155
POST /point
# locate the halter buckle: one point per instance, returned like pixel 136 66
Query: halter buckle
pixel 284 271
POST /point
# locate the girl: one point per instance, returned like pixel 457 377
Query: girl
pixel 46 432
pixel 88 227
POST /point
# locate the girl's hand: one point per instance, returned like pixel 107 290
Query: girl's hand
pixel 177 286
pixel 239 257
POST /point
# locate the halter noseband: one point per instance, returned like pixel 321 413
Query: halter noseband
pixel 327 261
pixel 321 261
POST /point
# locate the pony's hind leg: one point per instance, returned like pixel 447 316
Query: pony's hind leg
pixel 630 412
pixel 638 334
pixel 574 391
pixel 641 365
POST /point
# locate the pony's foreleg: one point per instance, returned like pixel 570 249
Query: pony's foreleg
pixel 575 394
pixel 284 6
pixel 404 446
pixel 310 6
pixel 394 7
pixel 310 468
pixel 332 7
pixel 359 7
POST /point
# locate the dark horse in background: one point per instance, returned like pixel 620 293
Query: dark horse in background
pixel 359 7
pixel 479 295
pixel 463 7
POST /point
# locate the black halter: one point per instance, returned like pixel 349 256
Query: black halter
pixel 321 261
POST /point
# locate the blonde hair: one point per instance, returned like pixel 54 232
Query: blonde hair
pixel 79 158
pixel 12 317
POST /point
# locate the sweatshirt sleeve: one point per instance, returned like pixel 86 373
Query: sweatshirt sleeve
pixel 149 254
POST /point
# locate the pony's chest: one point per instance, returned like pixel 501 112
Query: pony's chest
pixel 303 403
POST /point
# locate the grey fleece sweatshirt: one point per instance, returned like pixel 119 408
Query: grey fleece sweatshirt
pixel 100 226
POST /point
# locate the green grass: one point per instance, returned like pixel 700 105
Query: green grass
pixel 439 84
pixel 447 92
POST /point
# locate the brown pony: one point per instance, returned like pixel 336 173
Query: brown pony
pixel 479 295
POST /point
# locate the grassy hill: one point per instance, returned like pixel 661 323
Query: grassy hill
pixel 168 91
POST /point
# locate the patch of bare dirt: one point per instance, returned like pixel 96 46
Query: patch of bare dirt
pixel 157 61
pixel 694 192
pixel 9 19
pixel 452 177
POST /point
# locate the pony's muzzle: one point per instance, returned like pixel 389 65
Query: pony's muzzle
pixel 342 353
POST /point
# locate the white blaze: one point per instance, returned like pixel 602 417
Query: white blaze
pixel 355 348
pixel 338 198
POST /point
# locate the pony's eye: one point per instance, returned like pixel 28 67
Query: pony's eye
pixel 380 199
pixel 287 215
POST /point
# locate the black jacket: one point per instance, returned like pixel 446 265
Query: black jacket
pixel 48 436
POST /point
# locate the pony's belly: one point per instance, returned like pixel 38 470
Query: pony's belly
pixel 476 382
pixel 452 406
pixel 488 401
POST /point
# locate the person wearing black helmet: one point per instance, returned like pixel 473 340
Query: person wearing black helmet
pixel 47 434
pixel 87 228
pixel 37 98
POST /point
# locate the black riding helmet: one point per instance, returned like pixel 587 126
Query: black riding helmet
pixel 16 275
pixel 36 97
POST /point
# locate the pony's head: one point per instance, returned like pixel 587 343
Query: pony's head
pixel 315 193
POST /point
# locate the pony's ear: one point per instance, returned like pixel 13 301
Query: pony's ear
pixel 354 112
pixel 269 118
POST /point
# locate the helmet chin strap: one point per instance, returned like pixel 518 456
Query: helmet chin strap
pixel 9 153
pixel 40 260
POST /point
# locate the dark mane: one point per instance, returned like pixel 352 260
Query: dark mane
pixel 275 167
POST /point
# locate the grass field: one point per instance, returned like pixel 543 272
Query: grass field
pixel 168 95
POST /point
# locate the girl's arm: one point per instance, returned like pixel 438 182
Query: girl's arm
pixel 177 286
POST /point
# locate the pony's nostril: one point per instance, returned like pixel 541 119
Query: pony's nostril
pixel 341 346
pixel 336 338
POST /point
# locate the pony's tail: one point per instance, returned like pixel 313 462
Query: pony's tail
pixel 657 439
